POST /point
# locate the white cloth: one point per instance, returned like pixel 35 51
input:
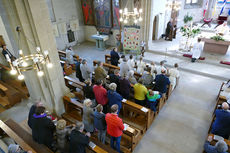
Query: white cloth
pixel 69 56
pixel 197 50
pixel 160 68
pixel 124 69
pixel 131 64
pixel 173 75
pixel 222 29
pixel 140 66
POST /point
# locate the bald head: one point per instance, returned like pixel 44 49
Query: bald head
pixel 225 106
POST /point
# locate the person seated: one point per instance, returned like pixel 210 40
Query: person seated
pixel 100 95
pixel 147 78
pixel 152 97
pixel 85 70
pixel 174 75
pixel 140 66
pixel 88 90
pixel 69 55
pixel 220 146
pixel 161 83
pixel 42 127
pixel 131 62
pixel 115 127
pixel 196 50
pixel 32 112
pixel 114 97
pixel 78 140
pixel 125 87
pixel 221 125
pixel 100 73
pixel 114 57
pixel 161 67
pixel 62 132
pixel 223 29
pixel 13 148
pixel 131 77
pixel 87 117
pixel 6 53
pixel 114 78
pixel 100 123
pixel 124 68
pixel 78 70
pixel 140 91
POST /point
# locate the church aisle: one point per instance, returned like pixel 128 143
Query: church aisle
pixel 183 123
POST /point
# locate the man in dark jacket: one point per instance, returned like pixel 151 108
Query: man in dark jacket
pixel 168 31
pixel 221 125
pixel 32 112
pixel 114 57
pixel 78 140
pixel 5 52
pixel 78 70
pixel 42 127
pixel 161 83
pixel 100 123
pixel 114 78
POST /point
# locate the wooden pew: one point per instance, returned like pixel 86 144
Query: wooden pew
pixel 63 54
pixel 107 59
pixel 73 83
pixel 214 142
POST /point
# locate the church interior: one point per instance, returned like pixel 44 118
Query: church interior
pixel 104 76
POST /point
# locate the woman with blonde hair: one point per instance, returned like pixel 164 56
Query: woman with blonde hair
pixel 88 116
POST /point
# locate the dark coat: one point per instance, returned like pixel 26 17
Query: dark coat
pixel 114 58
pixel 88 92
pixel 161 83
pixel 5 52
pixel 99 121
pixel 115 79
pixel 42 129
pixel 169 27
pixel 221 125
pixel 31 113
pixel 125 88
pixel 78 72
pixel 78 142
pixel 114 98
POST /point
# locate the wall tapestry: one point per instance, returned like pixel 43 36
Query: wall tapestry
pixel 103 13
pixel 131 38
pixel 116 14
pixel 88 12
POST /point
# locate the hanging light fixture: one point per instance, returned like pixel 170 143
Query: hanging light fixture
pixel 173 5
pixel 126 15
pixel 29 62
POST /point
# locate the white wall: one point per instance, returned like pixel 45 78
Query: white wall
pixel 65 11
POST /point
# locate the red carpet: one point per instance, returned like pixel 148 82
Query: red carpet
pixel 190 56
pixel 224 62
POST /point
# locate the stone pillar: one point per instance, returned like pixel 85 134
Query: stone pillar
pixel 33 17
pixel 208 13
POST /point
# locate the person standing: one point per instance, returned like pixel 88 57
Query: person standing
pixel 78 140
pixel 124 87
pixel 100 73
pixel 85 70
pixel 131 62
pixel 78 70
pixel 6 52
pixel 124 68
pixel 162 82
pixel 69 55
pixel 115 78
pixel 100 123
pixel 140 66
pixel 115 127
pixel 32 112
pixel 168 31
pixel 87 118
pixel 114 57
pixel 140 92
pixel 174 75
pixel 197 50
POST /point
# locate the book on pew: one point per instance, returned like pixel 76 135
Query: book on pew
pixel 144 109
pixel 124 100
pixel 126 126
pixel 92 145
pixel 218 138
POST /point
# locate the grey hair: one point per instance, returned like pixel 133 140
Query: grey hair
pixel 84 61
pixel 87 102
pixel 221 146
pixel 113 86
pixel 79 126
pixel 131 73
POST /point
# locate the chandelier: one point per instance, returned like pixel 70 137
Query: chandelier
pixel 29 62
pixel 126 14
pixel 175 5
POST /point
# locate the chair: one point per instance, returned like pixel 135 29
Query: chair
pixel 207 21
pixel 220 20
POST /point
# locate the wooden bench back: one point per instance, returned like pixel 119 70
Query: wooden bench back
pixel 63 54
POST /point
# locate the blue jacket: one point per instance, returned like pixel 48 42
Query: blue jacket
pixel 99 121
pixel 221 125
pixel 114 98
pixel 114 58
pixel 161 83
pixel 210 149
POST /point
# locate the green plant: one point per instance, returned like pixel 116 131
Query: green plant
pixel 187 18
pixel 189 31
pixel 217 38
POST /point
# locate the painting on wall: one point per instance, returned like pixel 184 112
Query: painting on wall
pixel 116 14
pixel 103 13
pixel 131 38
pixel 88 12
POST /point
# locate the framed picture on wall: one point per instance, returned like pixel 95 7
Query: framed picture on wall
pixel 88 12
pixel 116 14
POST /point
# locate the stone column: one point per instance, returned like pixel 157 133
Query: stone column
pixel 208 13
pixel 33 17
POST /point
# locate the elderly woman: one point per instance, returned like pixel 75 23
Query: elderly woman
pixel 220 147
pixel 131 77
pixel 88 116
pixel 148 78
pixel 114 97
pixel 125 87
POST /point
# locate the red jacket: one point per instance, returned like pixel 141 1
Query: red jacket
pixel 114 125
pixel 100 95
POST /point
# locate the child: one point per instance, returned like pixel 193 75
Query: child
pixel 152 97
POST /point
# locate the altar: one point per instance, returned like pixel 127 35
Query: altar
pixel 100 41
pixel 213 46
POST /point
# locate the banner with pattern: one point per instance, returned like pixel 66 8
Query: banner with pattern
pixel 131 38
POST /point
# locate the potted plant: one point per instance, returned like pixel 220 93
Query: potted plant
pixel 218 38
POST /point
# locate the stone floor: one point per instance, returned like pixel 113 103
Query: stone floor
pixel 183 123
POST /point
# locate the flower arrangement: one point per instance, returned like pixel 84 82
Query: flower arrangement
pixel 189 32
pixel 217 38
pixel 187 18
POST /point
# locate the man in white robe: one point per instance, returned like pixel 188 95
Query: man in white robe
pixel 174 75
pixel 197 50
